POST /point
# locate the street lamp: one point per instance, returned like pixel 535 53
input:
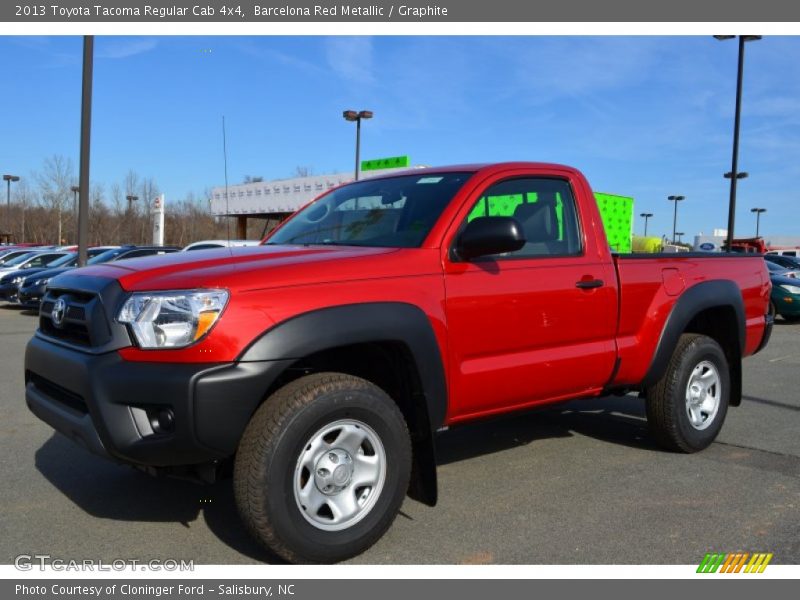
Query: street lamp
pixel 758 212
pixel 75 189
pixel 734 173
pixel 675 199
pixel 131 199
pixel 646 216
pixel 8 179
pixel 679 234
pixel 352 115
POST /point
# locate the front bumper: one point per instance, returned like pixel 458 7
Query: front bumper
pixel 31 295
pixel 108 405
pixel 9 292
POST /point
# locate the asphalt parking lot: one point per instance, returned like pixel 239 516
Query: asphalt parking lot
pixel 579 483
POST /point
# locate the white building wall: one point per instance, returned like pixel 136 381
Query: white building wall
pixel 278 195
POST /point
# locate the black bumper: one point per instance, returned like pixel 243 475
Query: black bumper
pixel 31 295
pixel 107 404
pixel 8 292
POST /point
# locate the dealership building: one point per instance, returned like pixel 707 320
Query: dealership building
pixel 272 201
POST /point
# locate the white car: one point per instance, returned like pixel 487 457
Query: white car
pixel 786 252
pixel 207 244
pixel 32 260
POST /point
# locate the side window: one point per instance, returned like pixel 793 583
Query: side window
pixel 544 207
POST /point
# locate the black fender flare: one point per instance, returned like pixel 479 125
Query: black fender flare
pixel 704 295
pixel 332 327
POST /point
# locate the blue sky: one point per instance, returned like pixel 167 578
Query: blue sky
pixel 641 116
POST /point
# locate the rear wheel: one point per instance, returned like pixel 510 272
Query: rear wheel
pixel 322 468
pixel 686 408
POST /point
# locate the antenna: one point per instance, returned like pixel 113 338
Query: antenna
pixel 225 159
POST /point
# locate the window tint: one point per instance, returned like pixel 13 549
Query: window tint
pixel 544 207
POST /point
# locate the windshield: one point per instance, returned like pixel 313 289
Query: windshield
pixel 18 260
pixel 105 256
pixel 65 260
pixel 397 212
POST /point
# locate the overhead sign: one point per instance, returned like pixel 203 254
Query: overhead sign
pixel 392 162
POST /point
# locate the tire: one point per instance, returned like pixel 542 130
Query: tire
pixel 305 486
pixel 687 407
pixel 773 311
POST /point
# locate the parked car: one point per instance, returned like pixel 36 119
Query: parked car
pixel 776 269
pixel 785 252
pixel 11 281
pixel 10 254
pixel 208 244
pixel 787 262
pixel 39 258
pixel 320 364
pixel 131 251
pixel 785 297
pixel 30 283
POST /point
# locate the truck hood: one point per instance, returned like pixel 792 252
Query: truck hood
pixel 260 267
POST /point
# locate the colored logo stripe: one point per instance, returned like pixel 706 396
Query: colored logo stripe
pixel 734 562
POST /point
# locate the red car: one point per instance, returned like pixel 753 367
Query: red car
pixel 323 362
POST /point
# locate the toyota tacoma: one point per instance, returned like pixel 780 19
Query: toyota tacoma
pixel 319 366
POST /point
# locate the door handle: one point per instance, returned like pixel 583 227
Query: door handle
pixel 589 284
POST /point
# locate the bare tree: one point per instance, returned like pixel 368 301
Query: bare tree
pixel 55 182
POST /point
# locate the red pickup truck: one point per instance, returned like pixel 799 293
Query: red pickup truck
pixel 321 364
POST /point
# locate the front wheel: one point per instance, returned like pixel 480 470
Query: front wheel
pixel 322 468
pixel 686 408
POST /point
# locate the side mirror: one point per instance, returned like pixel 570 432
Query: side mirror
pixel 490 235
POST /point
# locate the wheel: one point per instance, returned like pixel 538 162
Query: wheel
pixel 686 408
pixel 322 468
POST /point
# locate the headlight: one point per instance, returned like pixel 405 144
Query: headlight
pixel 17 280
pixel 41 281
pixel 792 289
pixel 172 319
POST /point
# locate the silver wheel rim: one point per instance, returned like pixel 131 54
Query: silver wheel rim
pixel 703 393
pixel 339 475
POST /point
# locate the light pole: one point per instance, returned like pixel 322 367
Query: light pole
pixel 758 212
pixel 675 199
pixel 734 173
pixel 352 115
pixel 8 179
pixel 75 189
pixel 646 216
pixel 679 234
pixel 131 199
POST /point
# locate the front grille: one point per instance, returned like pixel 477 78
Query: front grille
pixel 84 320
pixel 57 393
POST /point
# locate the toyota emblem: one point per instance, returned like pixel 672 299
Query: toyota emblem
pixel 58 312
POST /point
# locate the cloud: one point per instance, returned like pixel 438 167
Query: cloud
pixel 351 58
pixel 116 49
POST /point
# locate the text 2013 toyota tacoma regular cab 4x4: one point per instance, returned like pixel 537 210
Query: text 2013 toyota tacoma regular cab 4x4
pixel 323 362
